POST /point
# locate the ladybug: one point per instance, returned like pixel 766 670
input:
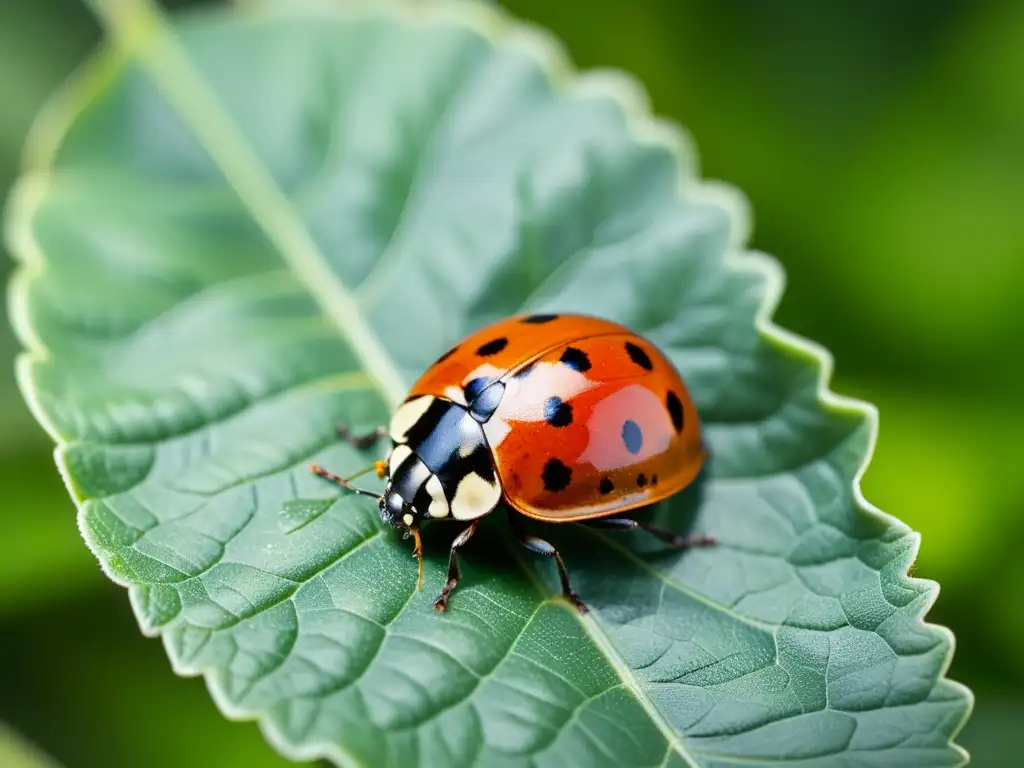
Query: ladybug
pixel 567 418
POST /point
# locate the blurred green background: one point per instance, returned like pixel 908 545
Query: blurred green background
pixel 882 148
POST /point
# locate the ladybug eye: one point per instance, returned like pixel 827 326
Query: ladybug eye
pixel 393 508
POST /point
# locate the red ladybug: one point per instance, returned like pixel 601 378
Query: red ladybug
pixel 568 418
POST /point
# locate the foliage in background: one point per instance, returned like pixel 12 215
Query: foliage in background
pixel 836 119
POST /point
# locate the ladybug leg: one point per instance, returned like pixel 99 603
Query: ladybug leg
pixel 541 547
pixel 441 604
pixel 361 442
pixel 672 539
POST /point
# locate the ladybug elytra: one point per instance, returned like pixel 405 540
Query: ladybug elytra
pixel 568 418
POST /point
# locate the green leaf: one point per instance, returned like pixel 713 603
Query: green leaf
pixel 26 30
pixel 298 513
pixel 16 752
pixel 128 711
pixel 240 231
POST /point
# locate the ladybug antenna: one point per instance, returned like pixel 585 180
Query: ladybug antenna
pixel 316 469
pixel 417 552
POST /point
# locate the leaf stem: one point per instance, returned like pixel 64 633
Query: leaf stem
pixel 139 29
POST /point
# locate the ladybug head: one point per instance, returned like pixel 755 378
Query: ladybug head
pixel 396 510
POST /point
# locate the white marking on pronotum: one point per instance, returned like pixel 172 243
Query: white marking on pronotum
pixel 398 455
pixel 455 394
pixel 438 503
pixel 407 415
pixel 474 497
pixel 407 519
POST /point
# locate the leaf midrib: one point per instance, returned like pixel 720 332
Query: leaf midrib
pixel 629 681
pixel 141 31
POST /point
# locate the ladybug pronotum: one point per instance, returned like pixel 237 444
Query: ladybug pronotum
pixel 568 418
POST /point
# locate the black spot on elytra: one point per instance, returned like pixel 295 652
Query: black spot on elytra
pixel 557 412
pixel 675 410
pixel 606 486
pixel 576 359
pixel 492 347
pixel 523 372
pixel 538 319
pixel 556 475
pixel 654 479
pixel 447 354
pixel 638 356
pixel 632 437
pixel 641 479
